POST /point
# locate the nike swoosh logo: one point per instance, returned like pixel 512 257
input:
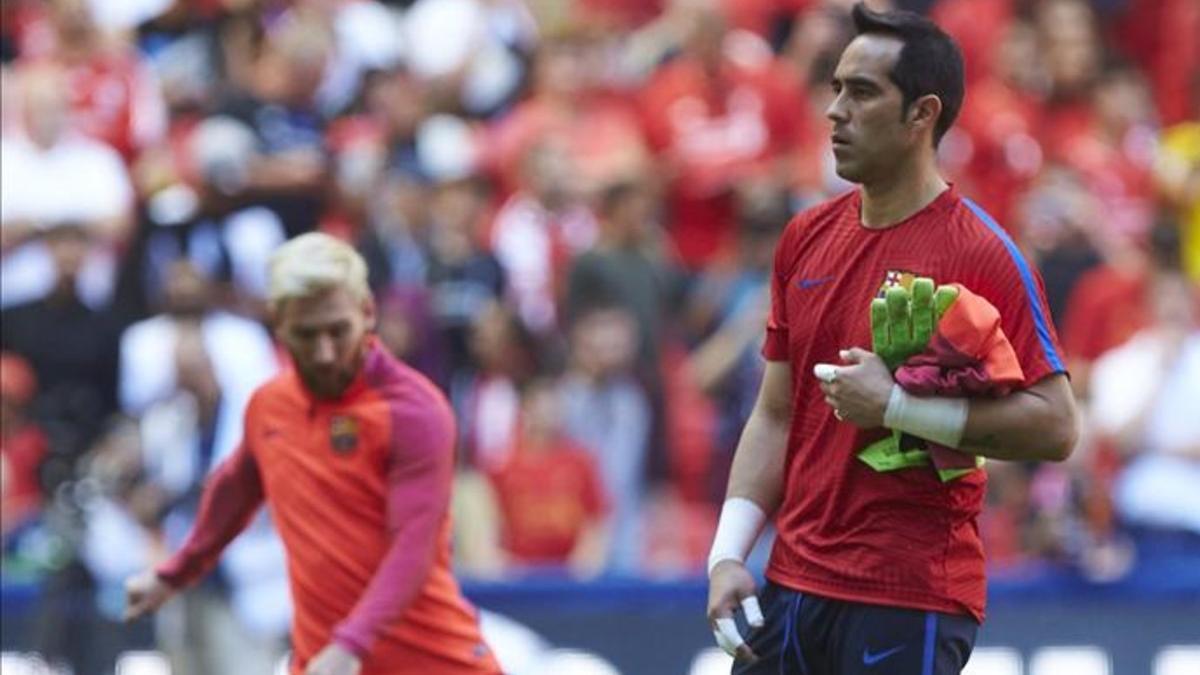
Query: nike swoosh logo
pixel 806 284
pixel 870 659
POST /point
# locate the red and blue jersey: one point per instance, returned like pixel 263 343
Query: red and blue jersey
pixel 899 538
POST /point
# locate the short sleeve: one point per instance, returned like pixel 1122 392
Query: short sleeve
pixel 775 346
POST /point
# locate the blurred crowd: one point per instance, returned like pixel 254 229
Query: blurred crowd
pixel 569 211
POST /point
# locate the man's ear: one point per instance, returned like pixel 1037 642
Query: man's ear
pixel 924 113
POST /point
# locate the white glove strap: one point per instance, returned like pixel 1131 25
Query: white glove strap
pixel 938 419
pixel 740 524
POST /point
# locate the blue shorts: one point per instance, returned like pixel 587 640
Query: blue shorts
pixel 805 634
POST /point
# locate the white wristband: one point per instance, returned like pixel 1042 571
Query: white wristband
pixel 738 528
pixel 937 419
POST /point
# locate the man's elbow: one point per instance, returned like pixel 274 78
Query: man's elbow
pixel 1061 434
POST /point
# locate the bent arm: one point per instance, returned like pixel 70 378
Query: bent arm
pixel 417 502
pixel 1039 423
pixel 230 499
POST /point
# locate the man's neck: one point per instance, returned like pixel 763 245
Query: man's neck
pixel 898 196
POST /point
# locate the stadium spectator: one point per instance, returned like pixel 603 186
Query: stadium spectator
pixel 114 97
pixel 721 119
pixel 464 277
pixel 606 411
pixel 540 229
pixel 627 268
pixel 39 160
pixel 551 494
pixel 72 349
pixel 1142 397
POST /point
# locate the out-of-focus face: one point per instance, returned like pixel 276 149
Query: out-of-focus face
pixel 187 291
pixel 540 412
pixel 72 19
pixel 550 173
pixel 1018 59
pixel 326 334
pixel 870 138
pixel 561 70
pixel 1123 101
pixel 69 246
pixel 604 342
pixel 45 109
pixel 1175 302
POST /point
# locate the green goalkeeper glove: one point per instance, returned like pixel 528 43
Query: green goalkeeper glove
pixel 902 323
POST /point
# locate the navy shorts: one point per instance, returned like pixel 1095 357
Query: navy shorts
pixel 805 634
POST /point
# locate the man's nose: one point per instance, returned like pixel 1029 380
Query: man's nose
pixel 836 110
pixel 324 351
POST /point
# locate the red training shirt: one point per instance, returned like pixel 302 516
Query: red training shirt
pixel 901 538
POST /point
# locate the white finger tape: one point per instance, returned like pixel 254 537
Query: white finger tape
pixel 754 615
pixel 826 372
pixel 727 636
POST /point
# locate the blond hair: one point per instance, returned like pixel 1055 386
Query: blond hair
pixel 313 263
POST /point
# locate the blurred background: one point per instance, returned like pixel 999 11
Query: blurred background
pixel 569 210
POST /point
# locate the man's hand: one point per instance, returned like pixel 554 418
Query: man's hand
pixel 334 659
pixel 730 587
pixel 858 393
pixel 145 593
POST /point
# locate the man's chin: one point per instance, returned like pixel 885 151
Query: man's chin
pixel 848 172
pixel 325 387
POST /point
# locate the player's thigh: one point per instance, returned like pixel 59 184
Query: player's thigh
pixel 775 643
pixel 896 641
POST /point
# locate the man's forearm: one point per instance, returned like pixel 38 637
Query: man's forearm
pixel 1035 424
pixel 757 472
pixel 231 497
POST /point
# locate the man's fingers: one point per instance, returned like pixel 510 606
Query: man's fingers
pixel 825 372
pixel 943 298
pixel 880 339
pixel 922 310
pixel 726 632
pixel 899 315
pixel 854 355
pixel 754 615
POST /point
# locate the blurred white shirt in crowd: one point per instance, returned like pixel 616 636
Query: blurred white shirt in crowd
pixel 34 188
pixel 1158 488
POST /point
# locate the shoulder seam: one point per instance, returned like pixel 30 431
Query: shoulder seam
pixel 1040 313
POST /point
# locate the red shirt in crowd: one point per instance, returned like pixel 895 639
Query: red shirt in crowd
pixel 713 130
pixel 547 498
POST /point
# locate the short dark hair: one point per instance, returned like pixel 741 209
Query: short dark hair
pixel 930 61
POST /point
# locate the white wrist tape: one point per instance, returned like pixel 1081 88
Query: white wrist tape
pixel 937 419
pixel 738 528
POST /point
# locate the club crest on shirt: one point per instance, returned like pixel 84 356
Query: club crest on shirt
pixel 343 433
pixel 901 278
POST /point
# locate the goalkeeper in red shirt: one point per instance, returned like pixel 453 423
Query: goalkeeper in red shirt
pixel 877 565
pixel 354 452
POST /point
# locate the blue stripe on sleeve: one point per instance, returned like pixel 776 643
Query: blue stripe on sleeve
pixel 1039 315
pixel 930 641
